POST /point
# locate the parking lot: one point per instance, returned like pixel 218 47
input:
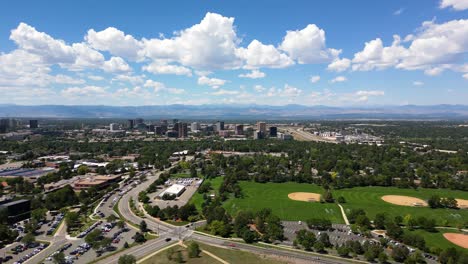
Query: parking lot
pixel 191 186
pixel 77 251
pixel 339 235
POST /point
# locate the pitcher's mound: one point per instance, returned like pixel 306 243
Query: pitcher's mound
pixel 304 196
pixel 404 200
pixel 462 203
pixel 458 239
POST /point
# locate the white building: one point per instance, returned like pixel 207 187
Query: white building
pixel 114 127
pixel 175 189
pixel 195 126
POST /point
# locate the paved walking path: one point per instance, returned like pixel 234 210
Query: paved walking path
pixel 344 215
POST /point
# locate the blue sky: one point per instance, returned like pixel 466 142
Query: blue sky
pixel 231 52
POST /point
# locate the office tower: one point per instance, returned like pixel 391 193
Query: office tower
pixel 182 130
pixel 114 126
pixel 4 125
pixel 219 125
pixel 239 129
pixel 195 126
pixel 164 122
pixel 261 126
pixel 273 131
pixel 130 124
pixel 138 121
pixel 258 134
pixel 33 124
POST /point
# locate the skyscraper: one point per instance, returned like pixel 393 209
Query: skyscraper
pixel 33 124
pixel 273 131
pixel 261 126
pixel 239 129
pixel 219 125
pixel 130 124
pixel 195 126
pixel 182 130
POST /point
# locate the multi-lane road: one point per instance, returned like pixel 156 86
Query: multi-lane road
pixel 169 234
pixel 176 233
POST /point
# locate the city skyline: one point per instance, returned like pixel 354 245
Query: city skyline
pixel 333 53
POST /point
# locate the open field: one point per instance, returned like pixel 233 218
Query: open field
pixel 237 256
pixel 197 198
pixel 230 256
pixel 275 196
pixel 436 239
pixel 370 199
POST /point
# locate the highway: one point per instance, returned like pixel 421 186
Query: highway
pixel 300 134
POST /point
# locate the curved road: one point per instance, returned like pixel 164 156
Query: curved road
pixel 176 233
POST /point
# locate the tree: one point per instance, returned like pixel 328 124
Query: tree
pixel 105 242
pixel 125 245
pixel 328 197
pixel 434 201
pixel 178 257
pixel 59 258
pixel 319 246
pixel 400 253
pixel 120 224
pixel 193 250
pixel 343 251
pixel 325 239
pixel 449 255
pixel 383 257
pixel 28 238
pixel 341 199
pixel 82 170
pixel 143 226
pixel 379 220
pixel 139 237
pixel 93 238
pixel 39 214
pixel 127 259
pixel 111 218
pixel 220 228
pixel 248 236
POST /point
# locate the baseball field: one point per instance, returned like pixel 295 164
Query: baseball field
pixel 275 196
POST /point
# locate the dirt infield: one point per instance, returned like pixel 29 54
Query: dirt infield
pixel 404 200
pixel 462 204
pixel 458 239
pixel 304 196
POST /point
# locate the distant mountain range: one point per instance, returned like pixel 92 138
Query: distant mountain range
pixel 287 112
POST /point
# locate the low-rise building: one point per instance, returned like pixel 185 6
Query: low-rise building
pixel 98 181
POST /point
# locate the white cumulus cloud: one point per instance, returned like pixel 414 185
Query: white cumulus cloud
pixel 254 74
pixel 212 82
pixel 455 4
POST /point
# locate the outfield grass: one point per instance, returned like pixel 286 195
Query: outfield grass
pixel 369 199
pixel 437 239
pixel 197 198
pixel 275 196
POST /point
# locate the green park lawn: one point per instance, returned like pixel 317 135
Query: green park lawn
pixel 369 199
pixel 257 196
pixel 275 196
pixel 230 256
pixel 197 198
pixel 437 239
